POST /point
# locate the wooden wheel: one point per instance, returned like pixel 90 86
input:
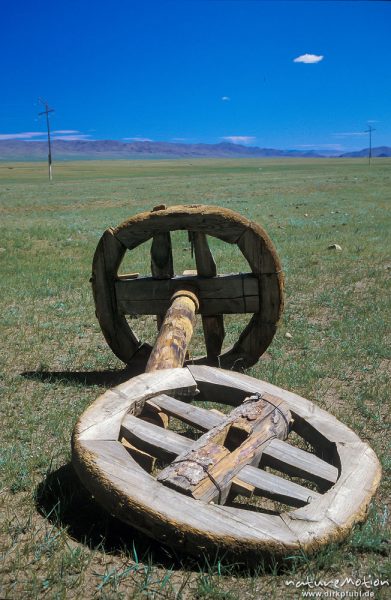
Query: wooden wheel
pixel 259 292
pixel 337 477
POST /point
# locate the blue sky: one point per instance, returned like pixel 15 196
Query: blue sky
pixel 199 71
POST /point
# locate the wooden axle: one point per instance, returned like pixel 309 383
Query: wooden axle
pixel 169 351
pixel 175 333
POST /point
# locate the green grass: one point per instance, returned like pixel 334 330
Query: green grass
pixel 55 540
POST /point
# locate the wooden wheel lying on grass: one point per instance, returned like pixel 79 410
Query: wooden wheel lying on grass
pixel 205 482
pixel 259 292
pixel 197 500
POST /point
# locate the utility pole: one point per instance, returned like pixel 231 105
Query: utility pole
pixel 46 112
pixel 369 130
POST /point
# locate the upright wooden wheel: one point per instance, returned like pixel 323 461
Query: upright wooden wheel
pixel 259 291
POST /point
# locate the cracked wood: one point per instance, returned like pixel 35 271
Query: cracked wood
pixel 206 470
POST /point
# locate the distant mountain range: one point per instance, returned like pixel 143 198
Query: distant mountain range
pixel 379 152
pixel 112 149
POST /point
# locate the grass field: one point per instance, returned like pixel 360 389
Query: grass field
pixel 56 542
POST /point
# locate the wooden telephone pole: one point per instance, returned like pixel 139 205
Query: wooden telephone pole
pixel 46 112
pixel 369 130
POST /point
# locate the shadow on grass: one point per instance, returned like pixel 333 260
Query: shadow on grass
pixel 89 378
pixel 63 500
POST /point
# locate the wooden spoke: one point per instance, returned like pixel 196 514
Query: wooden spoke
pixel 162 266
pixel 162 443
pixel 293 461
pixel 276 488
pixel 201 418
pixel 213 326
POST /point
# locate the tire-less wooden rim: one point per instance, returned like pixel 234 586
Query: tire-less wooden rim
pixel 345 469
pixel 259 292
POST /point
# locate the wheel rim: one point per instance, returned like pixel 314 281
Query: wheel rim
pixel 129 492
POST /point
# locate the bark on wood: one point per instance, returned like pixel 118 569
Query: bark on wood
pixel 231 388
pixel 207 470
pixel 278 454
pixel 166 445
pixel 176 331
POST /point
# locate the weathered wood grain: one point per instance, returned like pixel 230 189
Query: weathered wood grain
pixel 145 460
pixel 223 294
pixel 276 488
pixel 162 266
pixel 232 388
pixel 188 413
pixel 102 420
pixel 166 445
pixel 293 461
pixel 161 443
pixel 278 454
pixel 128 492
pixel 118 334
pixel 211 220
pixel 257 336
pixel 206 470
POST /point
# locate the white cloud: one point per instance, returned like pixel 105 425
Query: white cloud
pixel 308 59
pixel 72 138
pixel 26 135
pixel 69 135
pixel 350 134
pixel 239 139
pixel 66 131
pixel 225 98
pixel 137 139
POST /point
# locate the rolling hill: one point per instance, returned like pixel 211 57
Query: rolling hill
pixel 80 149
pixel 113 149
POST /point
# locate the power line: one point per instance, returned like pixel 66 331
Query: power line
pixel 369 130
pixel 46 112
